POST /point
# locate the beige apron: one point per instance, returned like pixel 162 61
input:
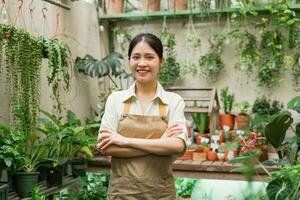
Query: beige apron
pixel 146 177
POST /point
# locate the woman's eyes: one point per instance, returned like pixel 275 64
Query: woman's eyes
pixel 147 57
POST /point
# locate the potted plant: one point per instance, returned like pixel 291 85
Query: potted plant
pixel 151 5
pixel 231 150
pixel 275 132
pixel 184 188
pixel 201 121
pixel 114 6
pixel 242 118
pixel 226 119
pixel 178 4
pixel 66 141
pixel 221 152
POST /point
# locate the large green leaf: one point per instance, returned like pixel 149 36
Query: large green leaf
pixel 90 66
pixel 294 104
pixel 279 189
pixel 275 130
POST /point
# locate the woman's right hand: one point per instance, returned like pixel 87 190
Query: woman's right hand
pixel 172 131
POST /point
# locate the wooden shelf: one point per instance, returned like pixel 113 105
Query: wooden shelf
pixel 44 190
pixel 182 13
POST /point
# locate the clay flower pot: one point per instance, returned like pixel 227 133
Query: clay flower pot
pixel 114 6
pixel 212 156
pixel 151 5
pixel 226 120
pixel 221 156
pixel 178 4
pixel 242 120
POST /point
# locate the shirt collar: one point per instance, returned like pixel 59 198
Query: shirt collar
pixel 159 93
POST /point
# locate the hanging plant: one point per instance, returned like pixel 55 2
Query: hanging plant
pixel 248 55
pixel 59 62
pixel 271 67
pixel 296 71
pixel 170 71
pixel 211 63
pixel 23 57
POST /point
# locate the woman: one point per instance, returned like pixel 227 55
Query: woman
pixel 143 129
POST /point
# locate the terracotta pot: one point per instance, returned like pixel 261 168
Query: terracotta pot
pixel 221 156
pixel 229 154
pixel 242 120
pixel 198 138
pixel 206 149
pixel 114 6
pixel 212 156
pixel 178 4
pixel 151 5
pixel 200 156
pixel 226 120
pixel 264 153
pixel 187 155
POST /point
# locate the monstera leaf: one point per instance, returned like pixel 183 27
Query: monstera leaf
pixel 275 131
pixel 294 104
pixel 110 65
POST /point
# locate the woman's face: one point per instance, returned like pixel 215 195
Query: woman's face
pixel 144 63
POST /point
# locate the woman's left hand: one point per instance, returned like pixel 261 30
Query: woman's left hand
pixel 108 137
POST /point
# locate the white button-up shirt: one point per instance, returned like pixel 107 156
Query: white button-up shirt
pixel 114 108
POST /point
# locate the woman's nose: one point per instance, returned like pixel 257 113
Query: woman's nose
pixel 142 63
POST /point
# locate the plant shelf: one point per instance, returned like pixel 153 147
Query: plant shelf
pixel 182 13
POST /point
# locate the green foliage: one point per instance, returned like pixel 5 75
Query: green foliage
pixel 10 156
pixel 211 63
pixel 227 100
pixel 243 107
pixel 263 106
pixel 59 62
pixel 248 55
pixel 95 188
pixel 201 121
pixel 184 187
pixel 66 140
pixel 109 66
pixel 170 71
pixel 285 184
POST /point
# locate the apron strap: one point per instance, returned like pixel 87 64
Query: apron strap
pixel 127 106
pixel 162 107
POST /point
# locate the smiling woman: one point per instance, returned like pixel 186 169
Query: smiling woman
pixel 143 129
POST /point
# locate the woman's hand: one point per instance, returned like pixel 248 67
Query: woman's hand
pixel 172 131
pixel 108 137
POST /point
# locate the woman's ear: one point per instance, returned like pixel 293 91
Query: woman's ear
pixel 162 62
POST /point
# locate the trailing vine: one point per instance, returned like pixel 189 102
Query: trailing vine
pixel 59 62
pixel 170 71
pixel 211 64
pixel 23 56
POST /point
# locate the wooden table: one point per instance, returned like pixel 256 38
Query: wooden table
pixel 194 169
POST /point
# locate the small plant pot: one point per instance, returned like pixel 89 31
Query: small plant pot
pixel 55 176
pixel 226 120
pixel 206 149
pixel 79 167
pixel 264 153
pixel 187 155
pixel 200 156
pixel 242 121
pixel 221 156
pixel 25 183
pixel 178 4
pixel 151 5
pixel 212 156
pixel 12 180
pixel 4 191
pixel 229 154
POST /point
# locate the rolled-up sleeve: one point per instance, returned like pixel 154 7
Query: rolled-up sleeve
pixel 176 115
pixel 110 117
